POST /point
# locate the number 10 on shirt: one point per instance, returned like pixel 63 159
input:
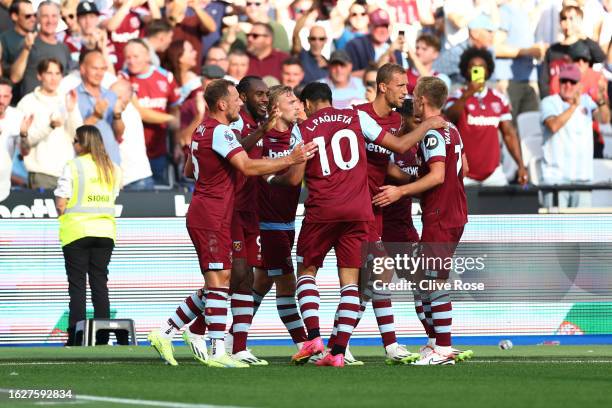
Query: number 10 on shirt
pixel 336 152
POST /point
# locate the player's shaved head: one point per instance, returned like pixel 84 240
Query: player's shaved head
pixel 215 91
pixel 433 89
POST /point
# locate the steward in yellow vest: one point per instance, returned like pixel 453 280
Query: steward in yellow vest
pixel 85 200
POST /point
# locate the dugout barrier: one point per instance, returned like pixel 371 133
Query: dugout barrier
pixel 154 267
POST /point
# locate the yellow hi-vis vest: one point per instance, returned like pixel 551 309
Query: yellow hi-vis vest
pixel 90 212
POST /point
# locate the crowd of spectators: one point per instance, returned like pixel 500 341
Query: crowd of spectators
pixel 136 69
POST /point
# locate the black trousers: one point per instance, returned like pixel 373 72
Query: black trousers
pixel 84 257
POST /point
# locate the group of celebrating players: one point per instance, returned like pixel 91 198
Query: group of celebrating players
pixel 361 167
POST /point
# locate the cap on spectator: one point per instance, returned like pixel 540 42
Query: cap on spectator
pixel 579 50
pixel 340 57
pixel 379 17
pixel 482 22
pixel 569 71
pixel 212 72
pixel 87 7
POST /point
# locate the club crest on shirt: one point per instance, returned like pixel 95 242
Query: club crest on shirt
pixel 496 107
pixel 471 106
pixel 237 245
pixel 229 136
pixel 162 85
pixel 134 22
pixel 200 129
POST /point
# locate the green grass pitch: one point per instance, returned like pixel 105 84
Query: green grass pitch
pixel 526 376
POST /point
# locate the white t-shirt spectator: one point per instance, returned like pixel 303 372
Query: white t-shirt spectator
pixel 568 154
pixel 134 162
pixel 51 148
pixel 456 35
pixel 9 142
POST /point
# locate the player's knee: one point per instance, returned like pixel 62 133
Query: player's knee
pixel 285 285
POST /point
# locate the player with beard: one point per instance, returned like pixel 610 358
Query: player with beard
pixel 391 92
pixel 215 156
pixel 277 208
pixel 244 231
pixel 444 208
pixel 338 208
pixel 250 129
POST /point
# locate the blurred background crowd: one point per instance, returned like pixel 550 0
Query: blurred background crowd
pixel 535 109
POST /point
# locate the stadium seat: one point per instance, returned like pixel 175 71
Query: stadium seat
pixel 530 132
pixel 90 327
pixel 602 173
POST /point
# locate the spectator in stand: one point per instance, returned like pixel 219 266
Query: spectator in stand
pixel 256 12
pixel 217 56
pixel 237 65
pixel 180 60
pixel 368 48
pixel 457 15
pixel 127 21
pixel 6 23
pixel 192 111
pixel 90 36
pixel 421 61
pixel 12 41
pixel 369 81
pixel 158 36
pixel 217 10
pixel 13 135
pixel 292 72
pixel 73 31
pixel 264 60
pixel 347 90
pixel 515 49
pixel 325 14
pixel 568 142
pixel 44 46
pixel 479 112
pixel 356 24
pixel 56 119
pixel 558 54
pixel 157 95
pixel 481 31
pixel 193 26
pixel 313 61
pixel 591 81
pixel 135 167
pixel 98 105
pixel 290 12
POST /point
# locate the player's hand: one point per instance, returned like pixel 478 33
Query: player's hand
pixel 272 119
pixel 388 195
pixel 26 122
pixel 472 88
pixel 523 176
pixel 435 122
pixel 302 152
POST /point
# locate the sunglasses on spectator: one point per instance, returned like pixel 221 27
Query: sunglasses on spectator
pixel 568 81
pixel 359 14
pixel 322 39
pixel 256 35
pixel 75 141
pixel 68 17
pixel 29 16
pixel 253 3
pixel 581 60
pixel 370 84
